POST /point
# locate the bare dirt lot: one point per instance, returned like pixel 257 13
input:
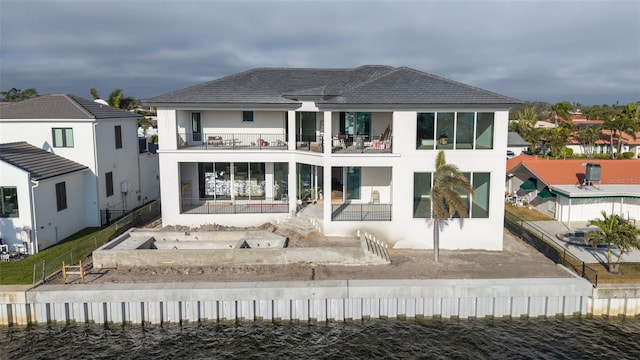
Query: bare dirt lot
pixel 517 260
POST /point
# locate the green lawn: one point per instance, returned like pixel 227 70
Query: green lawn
pixel 71 249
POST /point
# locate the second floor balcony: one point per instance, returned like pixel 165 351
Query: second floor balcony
pixel 232 141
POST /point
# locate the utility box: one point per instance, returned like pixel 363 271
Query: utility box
pixel 593 172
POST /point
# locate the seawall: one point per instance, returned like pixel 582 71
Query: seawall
pixel 311 301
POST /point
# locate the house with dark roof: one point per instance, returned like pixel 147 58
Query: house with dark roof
pixel 516 144
pixel 352 148
pixel 576 189
pixel 37 201
pixel 102 138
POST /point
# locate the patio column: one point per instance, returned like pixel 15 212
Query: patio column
pixel 291 140
pixel 328 131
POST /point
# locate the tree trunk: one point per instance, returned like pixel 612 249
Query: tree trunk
pixel 436 240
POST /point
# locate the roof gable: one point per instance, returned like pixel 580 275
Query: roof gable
pixel 61 106
pixel 41 164
pixel 370 84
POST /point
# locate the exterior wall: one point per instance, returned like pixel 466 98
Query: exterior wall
pixel 53 225
pixel 272 122
pixel 11 228
pixel 585 209
pixel 149 177
pixel 397 187
pixel 123 163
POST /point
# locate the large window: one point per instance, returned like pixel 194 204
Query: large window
pixel 222 181
pixel 477 205
pixel 353 183
pixel 356 124
pixel 62 137
pixel 422 195
pixel 280 181
pixel 118 134
pixel 61 196
pixel 450 130
pixel 9 201
pixel 109 180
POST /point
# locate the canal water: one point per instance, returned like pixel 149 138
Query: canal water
pixel 447 339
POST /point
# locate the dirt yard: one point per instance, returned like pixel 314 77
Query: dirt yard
pixel 517 260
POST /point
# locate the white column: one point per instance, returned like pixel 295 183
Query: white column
pixel 292 134
pixel 328 131
pixel 269 180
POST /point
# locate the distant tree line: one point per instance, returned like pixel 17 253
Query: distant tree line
pixel 617 120
pixel 14 94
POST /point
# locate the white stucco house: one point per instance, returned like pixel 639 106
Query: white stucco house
pixel 39 205
pixel 360 143
pixel 102 138
pixel 516 144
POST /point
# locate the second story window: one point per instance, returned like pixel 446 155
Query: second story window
pixel 118 133
pixel 247 116
pixel 62 137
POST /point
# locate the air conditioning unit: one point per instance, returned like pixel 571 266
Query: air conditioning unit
pixel 592 173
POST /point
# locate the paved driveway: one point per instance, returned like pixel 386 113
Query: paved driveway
pixel 585 253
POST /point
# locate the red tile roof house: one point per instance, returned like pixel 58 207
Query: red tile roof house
pixel 562 188
pixel 603 144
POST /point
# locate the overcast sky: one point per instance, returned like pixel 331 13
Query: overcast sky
pixel 581 51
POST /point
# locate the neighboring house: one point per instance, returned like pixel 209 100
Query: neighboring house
pixel 37 199
pixel 545 124
pixel 562 188
pixel 516 144
pixel 603 144
pixel 100 137
pixel 256 146
pixel 580 121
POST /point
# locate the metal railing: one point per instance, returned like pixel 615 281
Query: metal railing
pixel 138 217
pixel 541 242
pixel 360 212
pixel 232 141
pixel 211 206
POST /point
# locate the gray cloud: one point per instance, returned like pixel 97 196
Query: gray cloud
pixel 583 51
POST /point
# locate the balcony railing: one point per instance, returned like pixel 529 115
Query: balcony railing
pixel 359 144
pixel 210 206
pixel 232 141
pixel 310 144
pixel 361 212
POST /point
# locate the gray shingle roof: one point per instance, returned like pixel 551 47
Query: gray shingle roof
pixel 514 139
pixel 61 106
pixel 41 164
pixel 371 84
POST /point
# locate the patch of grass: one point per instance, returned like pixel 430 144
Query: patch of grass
pixel 629 274
pixel 79 245
pixel 525 213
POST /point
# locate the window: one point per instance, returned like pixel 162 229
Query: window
pixel 356 124
pixel 450 130
pixel 247 116
pixel 109 180
pixel 196 126
pixel 353 183
pixel 484 132
pixel 9 201
pixel 61 196
pixel 422 195
pixel 118 130
pixel 479 208
pixel 62 137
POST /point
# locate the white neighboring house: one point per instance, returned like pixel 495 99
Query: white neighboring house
pixel 516 144
pixel 37 205
pixel 358 144
pixel 100 137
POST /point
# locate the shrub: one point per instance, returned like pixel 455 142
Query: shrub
pixel 626 155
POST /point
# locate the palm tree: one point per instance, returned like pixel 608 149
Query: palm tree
pixel 626 122
pixel 557 138
pixel 588 138
pixel 616 231
pixel 448 183
pixel 526 126
pixel 560 111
